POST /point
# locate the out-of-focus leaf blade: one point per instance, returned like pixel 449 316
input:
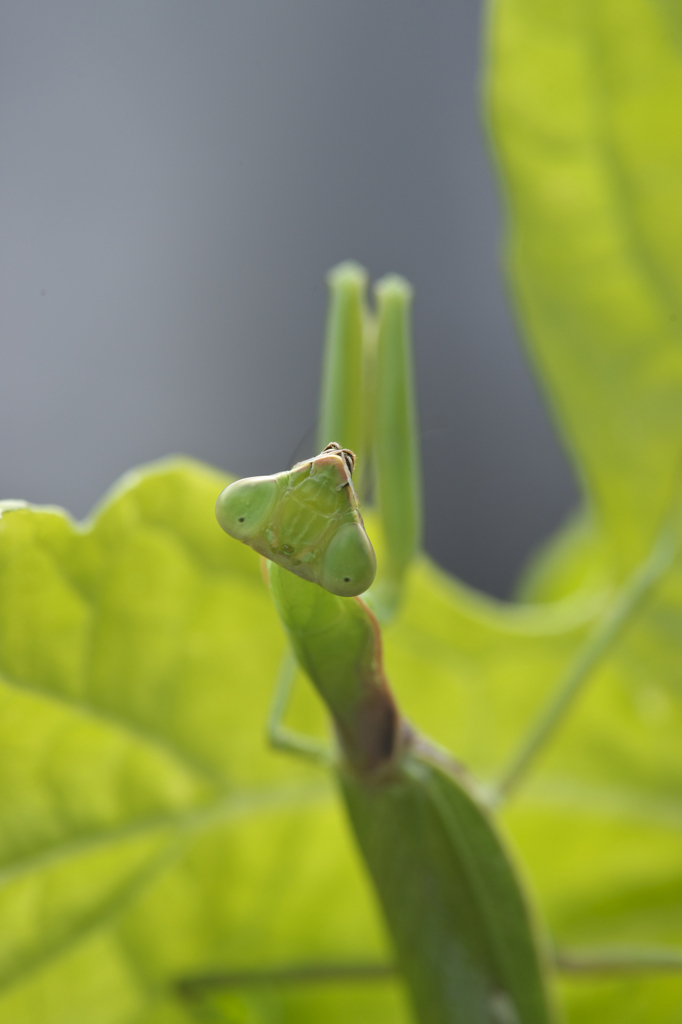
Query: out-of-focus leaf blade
pixel 585 100
pixel 584 105
pixel 146 832
pixel 147 835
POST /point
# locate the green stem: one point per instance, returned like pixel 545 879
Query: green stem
pixel 619 961
pixel 606 961
pixel 597 645
pixel 294 975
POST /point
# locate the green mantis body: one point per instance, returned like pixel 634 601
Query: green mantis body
pixel 462 932
pixel 464 937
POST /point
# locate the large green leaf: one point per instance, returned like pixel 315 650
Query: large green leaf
pixel 585 106
pixel 145 831
pixel 148 835
pixel 584 100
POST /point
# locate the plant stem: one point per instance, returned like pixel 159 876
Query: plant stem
pixel 607 961
pixel 619 961
pixel 293 975
pixel 598 644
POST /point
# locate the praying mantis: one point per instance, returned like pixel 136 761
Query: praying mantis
pixel 466 939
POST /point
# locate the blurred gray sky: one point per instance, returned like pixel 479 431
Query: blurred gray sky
pixel 175 180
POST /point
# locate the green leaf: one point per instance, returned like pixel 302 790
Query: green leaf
pixel 147 835
pixel 584 106
pixel 585 100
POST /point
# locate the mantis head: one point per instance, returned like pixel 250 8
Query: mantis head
pixel 306 520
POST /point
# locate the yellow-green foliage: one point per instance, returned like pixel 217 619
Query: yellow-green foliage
pixel 146 832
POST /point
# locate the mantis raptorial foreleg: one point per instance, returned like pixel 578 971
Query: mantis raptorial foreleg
pixel 368 405
pixel 395 445
pixel 347 369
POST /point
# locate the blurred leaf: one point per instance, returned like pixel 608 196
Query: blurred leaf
pixel 147 834
pixel 145 830
pixel 585 100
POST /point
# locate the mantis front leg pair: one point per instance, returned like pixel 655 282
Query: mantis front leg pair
pixel 464 938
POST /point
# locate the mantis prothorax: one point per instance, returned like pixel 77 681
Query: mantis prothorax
pixel 464 937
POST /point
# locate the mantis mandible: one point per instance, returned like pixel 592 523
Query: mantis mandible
pixel 465 938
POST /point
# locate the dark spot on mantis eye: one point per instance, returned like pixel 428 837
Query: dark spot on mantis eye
pixel 241 519
pixel 346 579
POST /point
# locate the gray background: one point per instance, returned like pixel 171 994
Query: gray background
pixel 176 178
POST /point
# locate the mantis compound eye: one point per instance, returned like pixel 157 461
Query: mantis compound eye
pixel 242 509
pixel 349 564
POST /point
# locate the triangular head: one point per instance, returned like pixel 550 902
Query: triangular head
pixel 307 520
